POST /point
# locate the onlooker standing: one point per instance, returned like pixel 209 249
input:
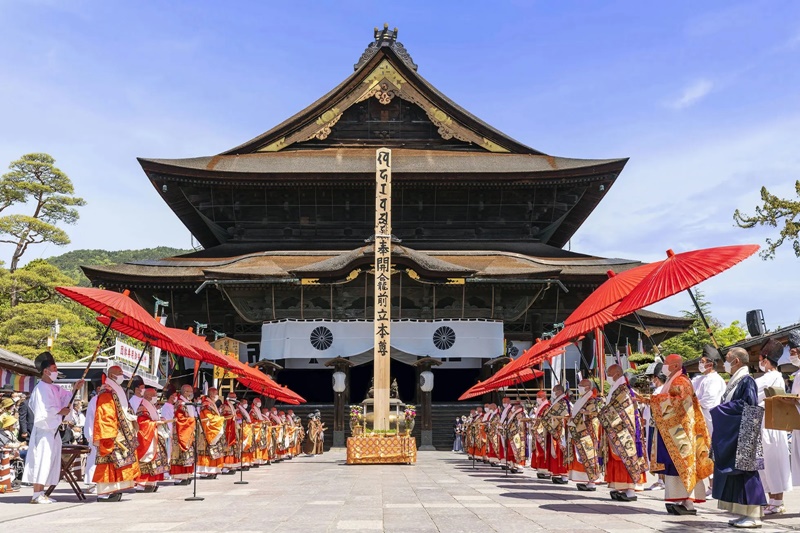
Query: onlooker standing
pixel 709 388
pixel 794 358
pixel 777 474
pixel 737 485
pixel 25 420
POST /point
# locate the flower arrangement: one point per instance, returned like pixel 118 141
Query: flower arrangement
pixel 410 412
pixel 357 411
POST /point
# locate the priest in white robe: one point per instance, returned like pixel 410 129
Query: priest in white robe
pixel 777 474
pixel 50 404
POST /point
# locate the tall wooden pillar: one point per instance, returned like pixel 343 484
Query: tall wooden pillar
pixel 383 286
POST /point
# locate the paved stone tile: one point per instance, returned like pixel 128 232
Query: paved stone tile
pixel 360 525
pixel 320 494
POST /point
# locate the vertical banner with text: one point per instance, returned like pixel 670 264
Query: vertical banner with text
pixel 383 284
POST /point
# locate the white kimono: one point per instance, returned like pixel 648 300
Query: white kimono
pixel 88 433
pixel 777 474
pixel 796 437
pixel 43 462
pixel 709 389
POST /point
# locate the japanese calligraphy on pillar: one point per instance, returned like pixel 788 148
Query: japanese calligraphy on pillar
pixel 383 276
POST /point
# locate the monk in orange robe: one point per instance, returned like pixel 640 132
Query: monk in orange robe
pixel 183 429
pixel 211 445
pixel 152 450
pixel 228 410
pixel 260 455
pixel 246 434
pixel 115 440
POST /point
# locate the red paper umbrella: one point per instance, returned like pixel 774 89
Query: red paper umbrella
pixel 253 376
pixel 116 305
pixel 681 272
pixel 611 292
pixel 163 340
pixel 530 357
pixel 279 393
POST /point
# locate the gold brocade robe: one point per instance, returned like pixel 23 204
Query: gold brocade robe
pixel 584 432
pixel 681 426
pixel 623 429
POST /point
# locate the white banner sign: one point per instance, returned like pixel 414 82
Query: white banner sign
pixel 129 354
pixel 294 339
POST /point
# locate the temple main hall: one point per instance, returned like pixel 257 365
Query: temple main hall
pixel 285 224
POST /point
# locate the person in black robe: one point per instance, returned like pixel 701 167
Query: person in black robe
pixel 736 445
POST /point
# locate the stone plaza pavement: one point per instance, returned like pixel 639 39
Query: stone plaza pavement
pixel 442 492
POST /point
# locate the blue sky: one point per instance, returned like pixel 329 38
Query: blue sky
pixel 702 96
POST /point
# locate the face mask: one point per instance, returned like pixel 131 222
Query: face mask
pixel 553 396
pixel 53 375
pixel 727 367
pixel 119 379
pixel 244 406
pixel 701 368
pixel 257 406
pixel 666 371
pixel 582 390
pixel 795 360
pixel 762 366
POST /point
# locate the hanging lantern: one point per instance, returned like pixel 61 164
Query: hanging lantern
pixel 426 381
pixel 339 381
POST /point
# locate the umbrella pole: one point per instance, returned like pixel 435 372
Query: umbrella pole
pixel 647 333
pixel 89 364
pixel 139 362
pixel 703 318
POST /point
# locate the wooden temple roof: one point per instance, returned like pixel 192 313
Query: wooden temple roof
pixel 277 267
pixel 310 148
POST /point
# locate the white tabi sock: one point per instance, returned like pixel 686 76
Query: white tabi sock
pixel 689 504
pixel 630 493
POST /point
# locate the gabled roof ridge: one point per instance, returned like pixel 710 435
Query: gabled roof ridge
pixel 316 109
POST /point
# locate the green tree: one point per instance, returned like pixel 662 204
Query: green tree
pixel 33 283
pixel 24 330
pixel 772 212
pixel 36 182
pixel 690 344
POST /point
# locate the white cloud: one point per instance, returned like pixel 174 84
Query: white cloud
pixel 692 94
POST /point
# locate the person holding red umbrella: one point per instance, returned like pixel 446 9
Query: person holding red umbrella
pixel 681 440
pixel 116 440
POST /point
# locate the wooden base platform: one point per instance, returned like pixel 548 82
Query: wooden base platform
pixel 380 449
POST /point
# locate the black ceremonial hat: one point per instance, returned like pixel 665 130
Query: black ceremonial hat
pixel 136 381
pixel 772 350
pixel 794 339
pixel 43 360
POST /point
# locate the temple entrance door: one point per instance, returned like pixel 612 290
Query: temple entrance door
pixel 404 374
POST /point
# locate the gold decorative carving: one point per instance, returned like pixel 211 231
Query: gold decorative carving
pixel 384 94
pixel 492 147
pixel 327 120
pixel 309 281
pixel 455 281
pixel 277 146
pixel 412 274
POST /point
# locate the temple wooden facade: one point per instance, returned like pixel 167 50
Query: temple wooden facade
pixel 285 221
